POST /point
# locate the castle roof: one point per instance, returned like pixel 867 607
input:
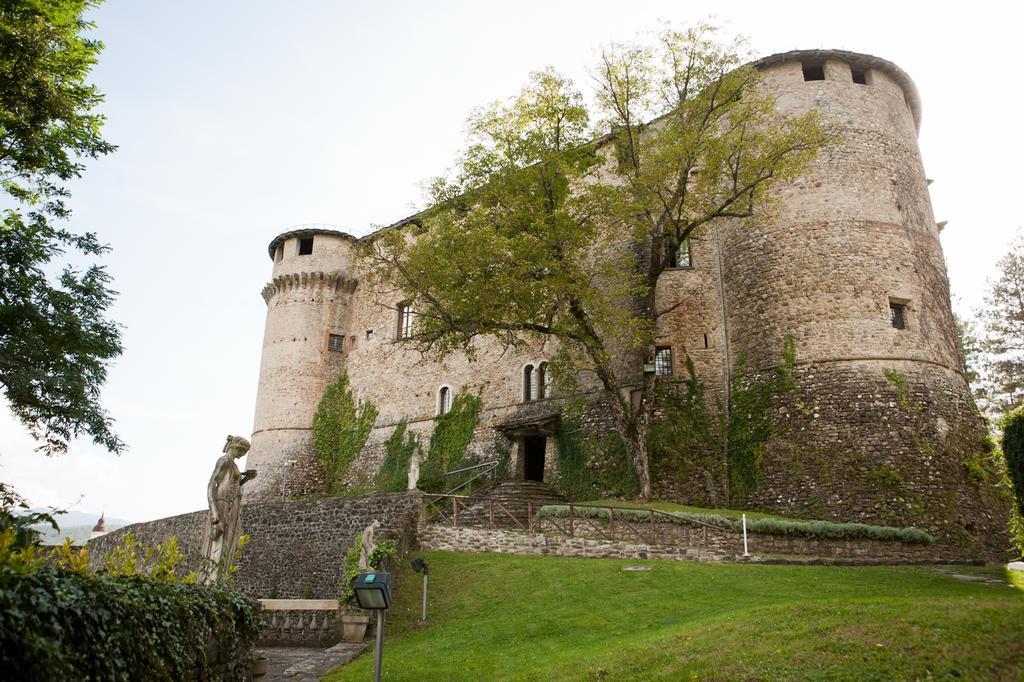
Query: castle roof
pixel 101 525
pixel 308 230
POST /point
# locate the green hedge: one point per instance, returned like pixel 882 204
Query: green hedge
pixel 57 625
pixel 808 529
pixel 1013 450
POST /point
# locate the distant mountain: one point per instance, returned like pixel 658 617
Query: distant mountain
pixel 76 518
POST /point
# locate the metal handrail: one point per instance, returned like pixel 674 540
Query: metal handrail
pixel 493 464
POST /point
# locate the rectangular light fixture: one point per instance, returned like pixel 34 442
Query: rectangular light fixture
pixel 373 590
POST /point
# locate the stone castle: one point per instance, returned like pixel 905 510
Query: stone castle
pixel 849 267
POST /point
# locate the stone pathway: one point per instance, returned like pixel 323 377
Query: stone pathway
pixel 301 664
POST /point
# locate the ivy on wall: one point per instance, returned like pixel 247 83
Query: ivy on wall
pixel 1013 452
pixel 453 432
pixel 399 448
pixel 341 427
pixel 590 466
pixel 686 439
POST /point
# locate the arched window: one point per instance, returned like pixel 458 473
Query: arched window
pixel 444 400
pixel 542 380
pixel 527 383
pixel 405 317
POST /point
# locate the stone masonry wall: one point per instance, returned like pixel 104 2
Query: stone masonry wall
pixel 296 549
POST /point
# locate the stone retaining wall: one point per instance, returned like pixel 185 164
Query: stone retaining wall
pixel 296 549
pixel 674 542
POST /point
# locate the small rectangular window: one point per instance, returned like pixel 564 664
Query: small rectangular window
pixel 680 258
pixel 336 343
pixel 706 341
pixel 814 72
pixel 305 246
pixel 663 361
pixel 369 334
pixel 860 76
pixel 898 314
pixel 352 343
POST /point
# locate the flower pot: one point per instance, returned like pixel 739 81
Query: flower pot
pixel 353 627
pixel 259 667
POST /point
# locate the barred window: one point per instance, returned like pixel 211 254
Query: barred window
pixel 898 314
pixel 336 343
pixel 663 361
pixel 405 316
pixel 444 400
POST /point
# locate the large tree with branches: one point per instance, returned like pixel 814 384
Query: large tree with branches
pixel 548 234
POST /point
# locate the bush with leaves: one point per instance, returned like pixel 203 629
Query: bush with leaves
pixel 383 551
pixel 1013 451
pixel 341 427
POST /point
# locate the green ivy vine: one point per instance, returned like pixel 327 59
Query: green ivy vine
pixel 341 427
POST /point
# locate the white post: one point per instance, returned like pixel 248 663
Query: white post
pixel 745 552
pixel 424 618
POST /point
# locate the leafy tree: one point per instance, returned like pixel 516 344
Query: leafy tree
pixel 1002 342
pixel 547 235
pixel 341 427
pixel 55 341
pixel 1013 451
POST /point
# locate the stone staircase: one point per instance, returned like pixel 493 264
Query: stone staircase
pixel 505 505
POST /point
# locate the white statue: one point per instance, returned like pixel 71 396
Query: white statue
pixel 414 470
pixel 367 546
pixel 224 493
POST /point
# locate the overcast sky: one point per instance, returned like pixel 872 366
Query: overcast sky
pixel 238 120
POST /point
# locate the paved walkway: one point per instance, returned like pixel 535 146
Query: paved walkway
pixel 301 664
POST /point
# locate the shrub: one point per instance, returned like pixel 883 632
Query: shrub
pixel 382 551
pixel 61 625
pixel 1013 451
pixel 809 529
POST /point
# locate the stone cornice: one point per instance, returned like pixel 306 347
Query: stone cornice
pixel 309 280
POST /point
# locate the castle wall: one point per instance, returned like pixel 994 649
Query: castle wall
pixel 845 241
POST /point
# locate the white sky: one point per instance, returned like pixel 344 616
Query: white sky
pixel 236 120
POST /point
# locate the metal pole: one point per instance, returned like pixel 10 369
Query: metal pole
pixel 745 552
pixel 424 618
pixel 380 645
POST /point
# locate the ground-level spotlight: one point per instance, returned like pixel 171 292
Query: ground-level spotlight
pixel 373 592
pixel 420 566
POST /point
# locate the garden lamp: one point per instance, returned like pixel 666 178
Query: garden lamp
pixel 420 566
pixel 373 591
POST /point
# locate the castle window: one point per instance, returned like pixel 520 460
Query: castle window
pixel 444 400
pixel 860 76
pixel 706 341
pixel 663 361
pixel 542 380
pixel 528 387
pixel 369 334
pixel 681 257
pixel 352 343
pixel 813 72
pixel 305 246
pixel 898 314
pixel 405 316
pixel 336 343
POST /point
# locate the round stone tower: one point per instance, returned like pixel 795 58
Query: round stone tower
pixel 305 344
pixel 883 427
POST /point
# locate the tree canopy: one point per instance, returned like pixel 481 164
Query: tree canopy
pixel 55 341
pixel 554 230
pixel 1002 334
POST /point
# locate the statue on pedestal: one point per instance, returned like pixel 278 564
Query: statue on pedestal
pixel 224 493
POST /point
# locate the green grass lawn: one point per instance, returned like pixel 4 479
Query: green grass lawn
pixel 541 618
